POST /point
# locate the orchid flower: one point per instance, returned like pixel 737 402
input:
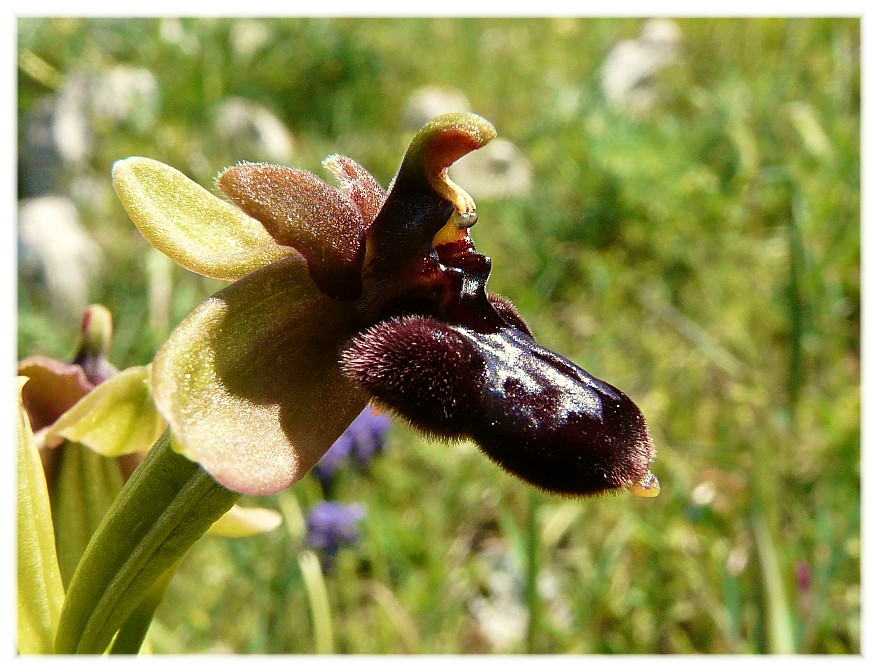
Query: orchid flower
pixel 340 297
pixel 353 294
pixel 54 388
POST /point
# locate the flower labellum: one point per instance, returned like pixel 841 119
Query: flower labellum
pixel 350 295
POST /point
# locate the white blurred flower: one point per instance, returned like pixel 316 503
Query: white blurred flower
pixel 552 594
pixel 500 613
pixel 248 36
pixel 497 170
pixel 56 248
pixel 252 132
pixel 173 32
pixel 501 620
pixel 61 130
pixel 628 74
pixel 71 130
pixel 738 558
pixel 429 102
pixel 125 95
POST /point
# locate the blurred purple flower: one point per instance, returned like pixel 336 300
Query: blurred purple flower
pixel 360 442
pixel 332 525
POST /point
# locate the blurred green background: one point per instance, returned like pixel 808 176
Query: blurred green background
pixel 688 231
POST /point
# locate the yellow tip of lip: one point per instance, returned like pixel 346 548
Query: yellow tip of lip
pixel 647 488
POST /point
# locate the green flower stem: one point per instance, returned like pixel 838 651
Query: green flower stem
pixel 133 632
pixel 318 598
pixel 168 504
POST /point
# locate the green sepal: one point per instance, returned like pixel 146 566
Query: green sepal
pixel 40 591
pixel 193 227
pixel 167 505
pixel 245 379
pixel 116 417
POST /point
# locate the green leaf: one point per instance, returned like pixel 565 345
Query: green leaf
pixel 318 600
pixel 40 591
pixel 196 229
pixel 85 486
pixel 117 417
pixel 781 637
pixel 250 382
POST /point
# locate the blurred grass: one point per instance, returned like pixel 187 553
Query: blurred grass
pixel 705 259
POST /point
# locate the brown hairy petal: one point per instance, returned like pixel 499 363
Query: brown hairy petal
pixel 300 211
pixel 358 184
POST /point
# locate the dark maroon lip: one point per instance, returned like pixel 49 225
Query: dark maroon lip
pixel 480 374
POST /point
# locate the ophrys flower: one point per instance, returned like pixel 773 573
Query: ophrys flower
pixel 347 295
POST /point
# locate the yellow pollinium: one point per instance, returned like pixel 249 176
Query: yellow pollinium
pixel 647 488
pixel 457 227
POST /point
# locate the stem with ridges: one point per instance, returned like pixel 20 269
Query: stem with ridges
pixel 133 632
pixel 168 504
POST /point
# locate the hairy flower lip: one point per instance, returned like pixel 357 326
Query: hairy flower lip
pixel 533 412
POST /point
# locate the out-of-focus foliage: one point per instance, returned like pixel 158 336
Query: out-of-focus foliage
pixel 702 254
